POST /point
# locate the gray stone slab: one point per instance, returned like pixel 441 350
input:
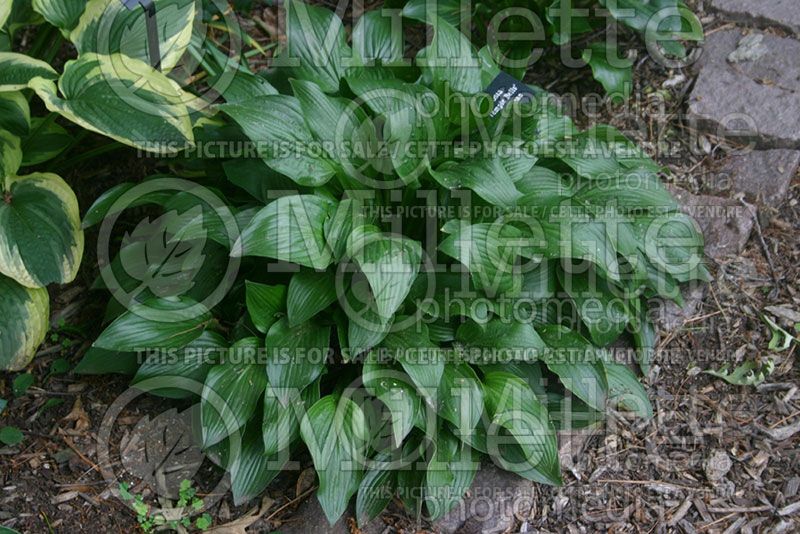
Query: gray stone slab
pixel 757 96
pixel 764 176
pixel 726 223
pixel 762 13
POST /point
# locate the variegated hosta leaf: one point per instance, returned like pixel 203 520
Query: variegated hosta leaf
pixel 63 14
pixel 16 70
pixel 15 114
pixel 122 98
pixel 10 154
pixel 108 27
pixel 24 315
pixel 41 240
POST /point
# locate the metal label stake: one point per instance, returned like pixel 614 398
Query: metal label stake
pixel 153 46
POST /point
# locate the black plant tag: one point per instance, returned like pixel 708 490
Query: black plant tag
pixel 506 89
pixel 153 49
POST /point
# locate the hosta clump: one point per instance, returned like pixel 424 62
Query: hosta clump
pixel 425 278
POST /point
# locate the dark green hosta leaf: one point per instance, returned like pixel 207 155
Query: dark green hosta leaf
pixel 263 304
pixel 276 123
pixel 566 27
pixel 338 229
pixel 335 432
pixel 122 98
pixel 63 14
pixel 45 141
pixel 24 321
pixel 577 238
pixel 420 358
pixel 625 151
pixel 98 361
pixel 10 155
pixel 489 178
pixel 614 73
pixel 460 398
pixel 578 365
pixel 254 468
pixel 191 363
pixel 390 265
pixel 316 46
pixel 231 393
pixel 644 334
pixel 396 390
pixel 310 292
pixel 413 118
pixel 674 244
pixel 131 332
pixel 601 306
pixel 41 240
pixel 17 70
pixel 376 490
pixel 632 191
pixel 259 179
pixel 489 251
pixel 501 340
pixel 5 13
pixel 15 114
pixel 449 59
pixel 449 474
pixel 365 326
pixel 373 39
pixel 297 356
pixel 244 85
pixel 290 229
pixel 514 407
pixel 281 424
pixel 108 27
pixel 625 391
pixel 637 14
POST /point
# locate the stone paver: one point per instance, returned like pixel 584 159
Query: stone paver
pixel 763 176
pixel 759 92
pixel 726 223
pixel 763 13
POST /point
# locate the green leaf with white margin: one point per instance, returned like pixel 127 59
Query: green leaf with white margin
pixel 316 46
pixel 450 57
pixel 449 474
pixel 390 264
pixel 24 322
pixel 290 229
pixel 231 393
pixel 108 27
pixel 17 70
pixel 41 241
pixel 513 406
pixel 297 356
pixel 578 364
pixel 122 98
pixel 263 303
pixel 625 391
pixel 10 155
pixel 507 341
pixel 15 114
pixel 63 14
pixel 310 292
pixel 275 121
pixel 335 432
pixel 131 332
pixel 376 489
pixel 488 177
pixel 615 74
pixel 5 12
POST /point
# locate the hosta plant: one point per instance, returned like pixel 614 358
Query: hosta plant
pixel 424 276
